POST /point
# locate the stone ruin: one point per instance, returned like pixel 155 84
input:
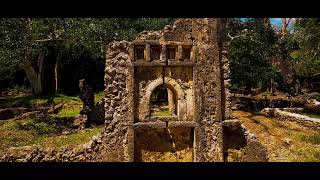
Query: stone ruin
pixel 90 113
pixel 188 59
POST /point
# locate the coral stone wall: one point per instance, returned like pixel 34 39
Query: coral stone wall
pixel 207 91
pixel 118 104
pixel 186 57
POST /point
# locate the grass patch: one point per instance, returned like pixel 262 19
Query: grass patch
pixel 312 115
pixel 12 136
pixel 304 146
pixel 72 105
pixel 29 132
pixel 308 155
pixel 46 133
pixel 80 137
pixel 38 100
pixel 98 96
pixel 314 139
pixel 69 110
pixel 38 128
pixel 162 112
pixel 266 94
pixel 43 100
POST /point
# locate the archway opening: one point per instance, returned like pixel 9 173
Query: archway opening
pixel 163 102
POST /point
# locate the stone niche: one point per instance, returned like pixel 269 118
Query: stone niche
pixel 178 70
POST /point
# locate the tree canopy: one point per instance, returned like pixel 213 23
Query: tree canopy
pixel 307 55
pixel 251 46
pixel 21 39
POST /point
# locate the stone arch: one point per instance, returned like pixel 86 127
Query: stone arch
pixel 172 85
pixel 167 96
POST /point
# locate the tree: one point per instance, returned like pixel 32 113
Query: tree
pixel 307 56
pixel 282 60
pixel 251 44
pixel 25 42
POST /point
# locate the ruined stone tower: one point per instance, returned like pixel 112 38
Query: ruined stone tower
pixel 185 58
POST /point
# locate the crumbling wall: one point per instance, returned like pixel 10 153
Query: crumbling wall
pixel 117 138
pixel 207 89
pixel 196 78
pixel 239 145
pixel 77 153
pixel 90 113
pixel 227 84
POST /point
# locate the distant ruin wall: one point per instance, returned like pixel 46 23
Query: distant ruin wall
pixel 285 115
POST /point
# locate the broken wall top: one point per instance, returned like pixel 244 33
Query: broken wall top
pixel 179 31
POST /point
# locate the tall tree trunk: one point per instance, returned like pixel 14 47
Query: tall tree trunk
pixel 57 70
pixel 34 76
pixel 57 76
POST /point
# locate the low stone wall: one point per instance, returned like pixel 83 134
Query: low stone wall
pixel 9 113
pixel 284 115
pixel 249 103
pixel 72 153
pixel 293 110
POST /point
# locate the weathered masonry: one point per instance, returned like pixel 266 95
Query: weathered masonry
pixel 184 58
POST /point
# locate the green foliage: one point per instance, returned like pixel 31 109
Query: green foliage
pixel 312 115
pixel 21 39
pixel 250 50
pixel 308 37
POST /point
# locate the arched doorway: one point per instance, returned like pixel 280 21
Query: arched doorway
pixel 163 101
pixel 177 102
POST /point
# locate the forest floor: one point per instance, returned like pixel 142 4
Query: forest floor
pixel 30 131
pixel 285 141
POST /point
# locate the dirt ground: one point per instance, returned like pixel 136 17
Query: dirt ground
pixel 285 141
